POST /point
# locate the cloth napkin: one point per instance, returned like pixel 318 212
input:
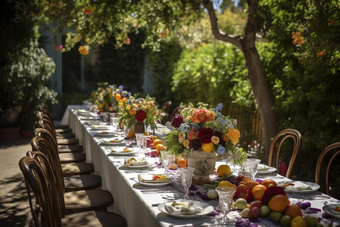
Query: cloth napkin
pixel 149 180
pixel 299 186
pixel 180 208
pixel 263 167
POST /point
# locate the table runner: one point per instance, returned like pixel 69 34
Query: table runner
pixel 137 207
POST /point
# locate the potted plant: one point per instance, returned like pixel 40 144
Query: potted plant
pixel 204 135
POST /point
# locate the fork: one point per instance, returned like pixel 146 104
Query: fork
pixel 312 197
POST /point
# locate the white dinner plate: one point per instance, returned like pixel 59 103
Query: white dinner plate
pixel 152 184
pixel 270 170
pixel 87 118
pixel 331 210
pixel 99 127
pixel 110 134
pixel 136 166
pixel 121 153
pixel 119 142
pixel 206 209
pixel 314 186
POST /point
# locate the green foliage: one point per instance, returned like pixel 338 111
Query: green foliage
pixel 72 98
pixel 23 82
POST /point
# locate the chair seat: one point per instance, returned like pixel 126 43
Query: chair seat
pixel 87 200
pixel 61 126
pixel 70 148
pixel 65 135
pixel 67 141
pixel 63 130
pixel 94 219
pixel 82 182
pixel 71 169
pixel 72 157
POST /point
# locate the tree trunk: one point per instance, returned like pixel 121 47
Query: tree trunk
pixel 263 97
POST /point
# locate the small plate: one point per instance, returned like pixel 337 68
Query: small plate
pixel 270 170
pixel 314 186
pixel 206 209
pixel 136 166
pixel 131 152
pixel 152 184
pixel 119 142
pixel 109 134
pixel 88 118
pixel 99 127
pixel 331 210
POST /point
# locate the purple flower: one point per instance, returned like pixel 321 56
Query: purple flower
pixel 244 223
pixel 324 215
pixel 177 121
pixel 214 213
pixel 302 205
pixel 218 107
pixel 312 210
pixel 120 87
pixel 122 96
pixel 100 100
pixel 191 193
pixel 259 181
pixel 195 144
pixel 193 187
pixel 220 150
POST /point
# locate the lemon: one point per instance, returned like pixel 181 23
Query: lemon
pixel 159 147
pixel 223 169
pixel 207 147
pixel 225 183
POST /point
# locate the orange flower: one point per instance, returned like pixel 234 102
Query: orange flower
pixel 320 53
pixel 234 135
pixel 164 33
pixel 211 115
pixel 110 108
pixel 87 39
pixel 331 22
pixel 124 99
pixel 83 50
pixel 226 138
pixel 118 97
pixel 195 118
pixel 202 115
pixel 106 104
pixel 55 47
pixel 215 139
pixel 298 39
pixel 88 10
pixel 126 41
pixel 131 111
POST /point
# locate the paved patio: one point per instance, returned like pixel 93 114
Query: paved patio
pixel 14 205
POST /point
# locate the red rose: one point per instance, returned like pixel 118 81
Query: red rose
pixel 140 115
pixel 205 135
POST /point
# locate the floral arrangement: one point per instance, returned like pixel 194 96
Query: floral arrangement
pixel 108 99
pixel 135 110
pixel 206 130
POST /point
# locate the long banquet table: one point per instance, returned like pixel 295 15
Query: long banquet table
pixel 139 209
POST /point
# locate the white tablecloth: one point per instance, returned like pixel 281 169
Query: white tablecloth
pixel 128 199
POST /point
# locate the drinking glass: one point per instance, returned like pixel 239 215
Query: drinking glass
pixel 145 144
pixel 165 159
pixel 251 165
pixel 114 123
pixel 139 141
pixel 186 179
pixel 225 197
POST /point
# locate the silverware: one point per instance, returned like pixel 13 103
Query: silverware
pixel 155 192
pixel 312 197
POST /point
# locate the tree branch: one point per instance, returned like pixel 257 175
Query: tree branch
pixel 214 26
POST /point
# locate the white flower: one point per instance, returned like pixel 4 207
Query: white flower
pixel 234 122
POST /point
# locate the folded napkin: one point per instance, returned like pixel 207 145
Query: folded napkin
pixel 263 167
pixel 139 163
pixel 180 208
pixel 147 179
pixel 299 186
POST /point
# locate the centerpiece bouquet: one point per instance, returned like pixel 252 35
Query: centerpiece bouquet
pixel 134 110
pixel 108 99
pixel 203 130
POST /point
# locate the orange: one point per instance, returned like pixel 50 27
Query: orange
pixel 267 182
pixel 258 191
pixel 293 211
pixel 159 147
pixel 182 163
pixel 146 134
pixel 227 184
pixel 207 147
pixel 252 184
pixel 223 169
pixel 156 142
pixel 278 203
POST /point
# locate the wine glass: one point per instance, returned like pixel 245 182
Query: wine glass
pixel 251 165
pixel 114 123
pixel 139 141
pixel 225 197
pixel 186 179
pixel 145 144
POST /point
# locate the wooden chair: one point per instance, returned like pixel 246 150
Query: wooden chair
pixel 59 128
pixel 319 164
pixel 74 201
pixel 286 133
pixel 176 111
pixel 48 211
pixel 165 114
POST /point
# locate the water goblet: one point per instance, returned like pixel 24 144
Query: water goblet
pixel 145 146
pixel 114 122
pixel 139 141
pixel 225 198
pixel 251 165
pixel 186 179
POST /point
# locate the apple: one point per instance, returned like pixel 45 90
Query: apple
pixel 257 204
pixel 241 203
pixel 311 220
pixel 244 213
pixel 265 211
pixel 275 216
pixel 285 221
pixel 212 194
pixel 254 213
pixel 298 221
pixel 154 153
pixel 271 185
pixel 148 142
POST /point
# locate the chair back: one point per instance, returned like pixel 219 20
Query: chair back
pixel 285 134
pixel 176 111
pixel 166 106
pixel 38 180
pixel 319 164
